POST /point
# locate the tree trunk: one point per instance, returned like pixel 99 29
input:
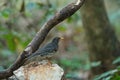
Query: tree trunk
pixel 102 42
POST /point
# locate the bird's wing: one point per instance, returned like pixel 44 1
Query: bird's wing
pixel 44 51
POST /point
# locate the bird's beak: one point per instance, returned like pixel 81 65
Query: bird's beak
pixel 61 38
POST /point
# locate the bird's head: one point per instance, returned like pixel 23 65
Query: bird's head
pixel 57 39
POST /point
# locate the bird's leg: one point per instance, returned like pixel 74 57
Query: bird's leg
pixel 49 61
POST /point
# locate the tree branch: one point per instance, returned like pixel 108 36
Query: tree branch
pixel 66 12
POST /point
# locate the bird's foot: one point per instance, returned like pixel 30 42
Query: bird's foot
pixel 49 63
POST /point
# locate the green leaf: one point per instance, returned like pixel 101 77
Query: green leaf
pixel 95 64
pixel 116 60
pixel 62 28
pixel 6 13
pixel 105 76
pixel 9 37
pixel 1 68
pixel 6 52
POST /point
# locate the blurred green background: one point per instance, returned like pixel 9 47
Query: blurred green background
pixel 19 22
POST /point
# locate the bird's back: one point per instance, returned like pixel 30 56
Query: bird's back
pixel 46 51
pixel 49 48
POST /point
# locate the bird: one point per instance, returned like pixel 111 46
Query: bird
pixel 46 52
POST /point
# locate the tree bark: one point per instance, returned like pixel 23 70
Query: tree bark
pixel 102 42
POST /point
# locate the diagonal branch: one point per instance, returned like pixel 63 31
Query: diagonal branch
pixel 66 12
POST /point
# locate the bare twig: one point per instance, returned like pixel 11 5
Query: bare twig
pixel 66 12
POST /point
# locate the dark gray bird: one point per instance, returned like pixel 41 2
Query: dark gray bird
pixel 46 51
